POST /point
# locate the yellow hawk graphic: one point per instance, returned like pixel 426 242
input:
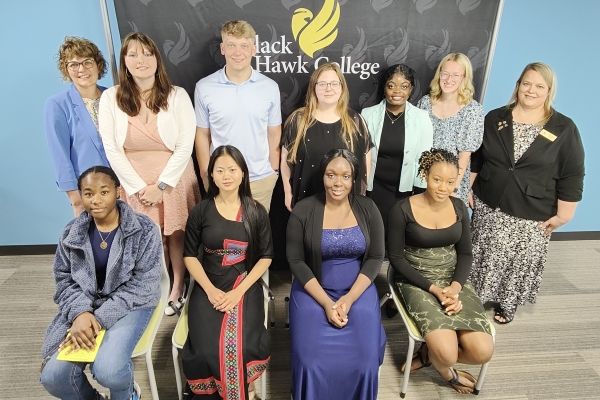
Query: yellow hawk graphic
pixel 316 33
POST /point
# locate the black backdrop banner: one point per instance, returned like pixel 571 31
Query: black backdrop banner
pixel 294 36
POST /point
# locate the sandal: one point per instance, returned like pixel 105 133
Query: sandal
pixel 457 385
pixel 420 355
pixel 508 315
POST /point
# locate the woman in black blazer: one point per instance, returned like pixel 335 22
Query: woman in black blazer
pixel 527 180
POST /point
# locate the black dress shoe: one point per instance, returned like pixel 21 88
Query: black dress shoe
pixel 390 311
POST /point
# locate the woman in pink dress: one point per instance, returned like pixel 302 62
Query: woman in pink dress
pixel 147 127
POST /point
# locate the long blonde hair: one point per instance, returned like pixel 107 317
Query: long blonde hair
pixel 305 115
pixel 465 89
pixel 549 77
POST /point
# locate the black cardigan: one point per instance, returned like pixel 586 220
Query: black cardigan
pixel 551 169
pixel 305 232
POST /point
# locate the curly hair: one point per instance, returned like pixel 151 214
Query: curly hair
pixel 79 47
pixel 433 156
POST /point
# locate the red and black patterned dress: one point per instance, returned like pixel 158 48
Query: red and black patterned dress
pixel 224 352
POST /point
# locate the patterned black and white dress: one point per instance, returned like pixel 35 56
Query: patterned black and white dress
pixel 509 253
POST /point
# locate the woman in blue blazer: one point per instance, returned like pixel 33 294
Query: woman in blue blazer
pixel 71 116
pixel 401 132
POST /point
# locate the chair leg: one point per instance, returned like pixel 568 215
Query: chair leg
pixel 272 311
pixel 263 386
pixel 384 299
pixel 480 378
pixel 409 356
pixel 177 372
pixel 151 376
pixel 287 312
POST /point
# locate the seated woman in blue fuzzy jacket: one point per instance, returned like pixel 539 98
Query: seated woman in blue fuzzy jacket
pixel 107 269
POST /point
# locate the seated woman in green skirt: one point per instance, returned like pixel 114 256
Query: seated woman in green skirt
pixel 429 245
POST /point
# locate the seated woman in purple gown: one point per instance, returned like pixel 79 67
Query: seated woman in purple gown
pixel 335 247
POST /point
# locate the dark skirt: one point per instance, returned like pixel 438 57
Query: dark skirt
pixel 225 352
pixel 437 265
pixel 330 363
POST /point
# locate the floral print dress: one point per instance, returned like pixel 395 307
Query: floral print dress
pixel 462 132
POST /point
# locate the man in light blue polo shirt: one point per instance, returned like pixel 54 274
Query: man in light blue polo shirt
pixel 241 107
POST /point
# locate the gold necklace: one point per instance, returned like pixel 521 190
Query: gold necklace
pixel 103 244
pixel 392 119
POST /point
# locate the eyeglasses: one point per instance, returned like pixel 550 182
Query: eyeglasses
pixel 445 76
pixel 74 65
pixel 335 85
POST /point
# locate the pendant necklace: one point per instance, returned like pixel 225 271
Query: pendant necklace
pixel 393 119
pixel 103 244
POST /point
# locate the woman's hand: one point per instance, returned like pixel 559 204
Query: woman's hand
pixel 214 295
pixel 336 316
pixel 84 330
pixel 150 195
pixel 229 300
pixel 343 306
pixel 76 202
pixel 451 302
pixel 288 200
pixel 553 224
pixel 448 298
pixel 471 201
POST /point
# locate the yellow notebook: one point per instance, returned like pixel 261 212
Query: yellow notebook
pixel 81 355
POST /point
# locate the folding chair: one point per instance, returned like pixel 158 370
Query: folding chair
pixel 144 345
pixel 414 335
pixel 181 332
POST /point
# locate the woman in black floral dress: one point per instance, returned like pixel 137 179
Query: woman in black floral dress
pixel 528 179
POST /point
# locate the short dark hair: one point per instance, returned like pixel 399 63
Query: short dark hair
pixel 389 73
pixel 101 170
pixel 346 155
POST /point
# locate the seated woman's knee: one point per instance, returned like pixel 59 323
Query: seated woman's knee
pixel 480 351
pixel 112 374
pixel 55 374
pixel 444 351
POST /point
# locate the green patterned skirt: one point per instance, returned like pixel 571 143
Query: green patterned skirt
pixel 437 265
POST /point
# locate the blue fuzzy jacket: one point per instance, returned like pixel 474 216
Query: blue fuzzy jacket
pixel 132 276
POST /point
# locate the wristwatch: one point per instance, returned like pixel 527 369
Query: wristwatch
pixel 162 186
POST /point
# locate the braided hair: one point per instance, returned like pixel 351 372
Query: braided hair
pixel 433 156
pixel 99 169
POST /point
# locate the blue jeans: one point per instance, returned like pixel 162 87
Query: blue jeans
pixel 112 368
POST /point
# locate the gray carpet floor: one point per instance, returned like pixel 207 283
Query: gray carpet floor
pixel 550 351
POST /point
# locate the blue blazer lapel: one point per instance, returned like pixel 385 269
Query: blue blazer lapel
pixel 85 118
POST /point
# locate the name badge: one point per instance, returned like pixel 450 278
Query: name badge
pixel 550 136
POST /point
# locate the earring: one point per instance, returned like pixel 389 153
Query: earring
pixel 127 73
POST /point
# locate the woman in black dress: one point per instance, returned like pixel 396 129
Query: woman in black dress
pixel 228 247
pixel 324 123
pixel 400 132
